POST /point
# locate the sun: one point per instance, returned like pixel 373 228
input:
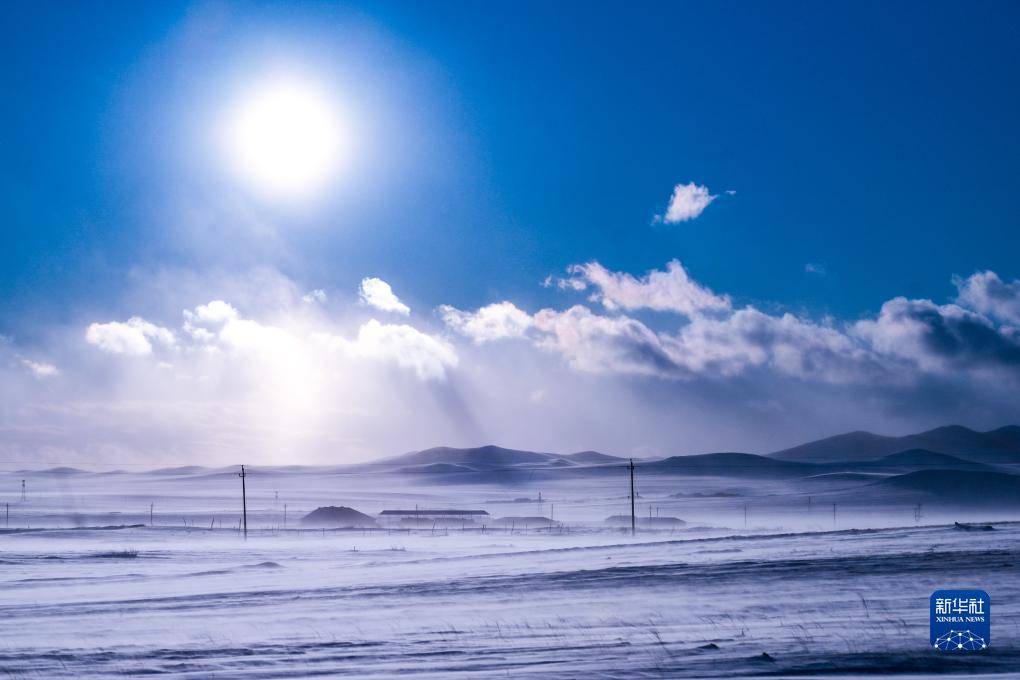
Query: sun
pixel 285 138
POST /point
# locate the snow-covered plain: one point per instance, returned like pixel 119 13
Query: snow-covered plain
pixel 794 592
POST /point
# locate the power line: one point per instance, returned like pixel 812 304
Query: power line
pixel 244 501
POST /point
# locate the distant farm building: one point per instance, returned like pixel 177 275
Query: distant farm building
pixel 434 518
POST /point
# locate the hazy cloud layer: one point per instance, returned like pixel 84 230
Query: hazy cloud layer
pixel 641 364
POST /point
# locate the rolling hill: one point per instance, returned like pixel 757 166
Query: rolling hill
pixel 730 465
pixel 490 456
pixel 962 487
pixel 995 447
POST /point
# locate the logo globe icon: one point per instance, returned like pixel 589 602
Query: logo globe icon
pixel 960 641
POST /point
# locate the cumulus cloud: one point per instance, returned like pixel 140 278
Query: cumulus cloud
pixel 687 202
pixel 215 312
pixel 492 322
pixel 603 344
pixel 985 292
pixel 377 293
pixel 398 344
pixel 940 338
pixel 705 347
pixel 907 340
pixel 672 290
pixel 134 336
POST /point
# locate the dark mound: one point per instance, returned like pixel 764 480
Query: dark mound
pixel 332 516
pixel 61 471
pixel 973 527
pixel 960 486
pixel 729 465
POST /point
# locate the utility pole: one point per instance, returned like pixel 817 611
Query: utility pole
pixel 833 514
pixel 633 519
pixel 151 506
pixel 23 491
pixel 244 503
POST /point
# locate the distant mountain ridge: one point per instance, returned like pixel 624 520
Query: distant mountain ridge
pixel 492 456
pixel 999 446
pixel 946 448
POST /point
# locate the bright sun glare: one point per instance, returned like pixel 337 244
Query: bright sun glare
pixel 285 138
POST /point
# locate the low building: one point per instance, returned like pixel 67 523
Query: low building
pixel 425 518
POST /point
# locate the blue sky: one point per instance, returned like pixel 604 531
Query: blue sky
pixel 871 149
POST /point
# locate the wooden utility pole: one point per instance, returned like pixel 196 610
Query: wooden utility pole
pixel 151 506
pixel 23 491
pixel 633 519
pixel 244 503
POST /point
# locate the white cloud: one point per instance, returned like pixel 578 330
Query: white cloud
pixel 377 293
pixel 492 322
pixel 687 202
pixel 603 344
pixel 712 348
pixel 986 293
pixel 946 339
pixel 201 322
pixel 40 369
pixel 815 268
pixel 908 338
pixel 405 346
pixel 246 335
pixel 214 312
pixel 133 336
pixel 786 344
pixel 672 290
